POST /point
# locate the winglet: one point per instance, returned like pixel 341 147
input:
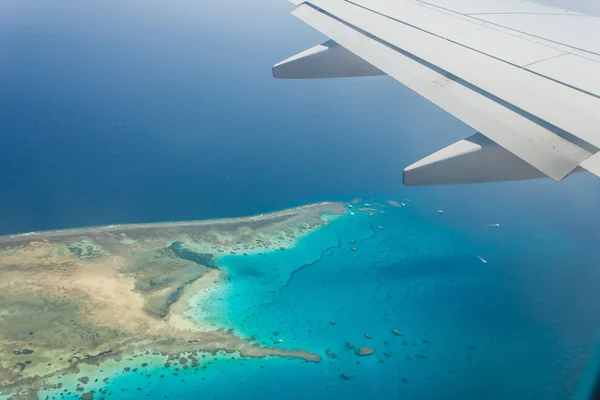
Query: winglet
pixel 327 60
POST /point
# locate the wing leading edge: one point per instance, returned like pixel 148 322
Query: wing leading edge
pixel 530 125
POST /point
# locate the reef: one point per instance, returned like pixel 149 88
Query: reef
pixel 365 351
pixel 75 297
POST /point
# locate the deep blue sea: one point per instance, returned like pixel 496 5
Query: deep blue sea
pixel 145 111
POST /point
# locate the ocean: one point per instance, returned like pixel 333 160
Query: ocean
pixel 138 112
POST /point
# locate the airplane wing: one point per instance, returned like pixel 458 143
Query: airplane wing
pixel 525 76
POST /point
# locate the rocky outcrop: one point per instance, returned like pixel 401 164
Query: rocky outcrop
pixel 394 203
pixel 365 351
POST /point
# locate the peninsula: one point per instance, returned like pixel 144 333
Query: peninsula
pixel 83 296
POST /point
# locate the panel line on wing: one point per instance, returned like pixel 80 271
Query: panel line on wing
pixel 526 13
pixel 505 7
pixel 545 59
pixel 565 84
pixel 538 37
pixel 415 13
pixel 560 82
pixel 427 31
pixel 473 15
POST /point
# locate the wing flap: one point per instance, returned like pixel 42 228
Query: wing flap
pixel 549 153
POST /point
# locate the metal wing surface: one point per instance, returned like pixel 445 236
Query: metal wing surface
pixel 525 76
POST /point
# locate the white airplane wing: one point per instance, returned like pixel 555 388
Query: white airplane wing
pixel 525 76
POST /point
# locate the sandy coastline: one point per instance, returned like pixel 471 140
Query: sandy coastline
pixel 177 315
pixel 307 210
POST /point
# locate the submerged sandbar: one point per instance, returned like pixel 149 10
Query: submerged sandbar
pixel 86 295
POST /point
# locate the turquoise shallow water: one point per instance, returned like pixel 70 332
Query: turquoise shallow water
pixel 511 327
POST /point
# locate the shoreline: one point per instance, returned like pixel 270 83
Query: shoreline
pixel 97 378
pixel 178 317
pixel 62 233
